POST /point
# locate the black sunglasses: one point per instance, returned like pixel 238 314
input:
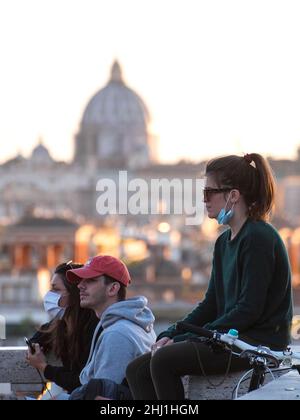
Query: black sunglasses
pixel 208 192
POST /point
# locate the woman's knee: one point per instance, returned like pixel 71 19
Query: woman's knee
pixel 161 359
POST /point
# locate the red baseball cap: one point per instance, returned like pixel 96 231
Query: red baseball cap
pixel 99 266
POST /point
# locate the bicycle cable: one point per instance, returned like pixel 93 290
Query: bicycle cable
pixel 203 371
pixel 237 387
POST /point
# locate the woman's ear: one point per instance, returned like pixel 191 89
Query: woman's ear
pixel 235 196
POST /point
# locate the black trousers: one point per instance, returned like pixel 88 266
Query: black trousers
pixel 158 377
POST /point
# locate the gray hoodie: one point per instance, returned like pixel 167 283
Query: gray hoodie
pixel 127 333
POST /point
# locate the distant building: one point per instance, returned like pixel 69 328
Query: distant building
pixel 114 129
pixel 34 243
pixel 28 250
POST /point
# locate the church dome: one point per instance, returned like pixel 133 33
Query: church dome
pixel 41 155
pixel 116 104
pixel 114 127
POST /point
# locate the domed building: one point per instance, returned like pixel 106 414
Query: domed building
pixel 114 128
pixel 40 155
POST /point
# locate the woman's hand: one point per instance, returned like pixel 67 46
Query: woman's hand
pixel 38 359
pixel 165 341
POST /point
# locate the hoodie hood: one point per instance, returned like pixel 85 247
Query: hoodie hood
pixel 134 309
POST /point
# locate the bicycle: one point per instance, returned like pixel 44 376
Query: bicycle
pixel 262 359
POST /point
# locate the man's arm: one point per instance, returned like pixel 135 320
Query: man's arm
pixel 114 354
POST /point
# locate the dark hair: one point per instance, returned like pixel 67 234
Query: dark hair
pixel 122 291
pixel 65 335
pixel 252 176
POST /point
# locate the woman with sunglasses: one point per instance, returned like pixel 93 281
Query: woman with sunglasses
pixel 69 334
pixel 249 288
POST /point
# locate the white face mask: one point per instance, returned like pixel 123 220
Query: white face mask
pixel 51 305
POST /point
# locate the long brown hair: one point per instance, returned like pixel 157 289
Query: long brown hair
pixel 65 335
pixel 252 176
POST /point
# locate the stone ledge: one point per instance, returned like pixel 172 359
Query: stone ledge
pixel 17 374
pixel 14 369
pixel 24 380
pixel 198 387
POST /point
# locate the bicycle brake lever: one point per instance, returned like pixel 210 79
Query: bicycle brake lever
pixel 255 354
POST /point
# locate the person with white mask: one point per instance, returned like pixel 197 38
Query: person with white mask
pixel 52 305
pixel 69 334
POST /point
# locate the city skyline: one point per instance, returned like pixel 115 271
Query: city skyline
pixel 217 77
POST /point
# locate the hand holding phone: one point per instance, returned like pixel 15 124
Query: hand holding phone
pixel 30 345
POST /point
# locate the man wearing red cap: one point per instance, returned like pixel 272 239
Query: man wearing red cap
pixel 125 329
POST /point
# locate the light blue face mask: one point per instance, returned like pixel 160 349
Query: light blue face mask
pixel 225 216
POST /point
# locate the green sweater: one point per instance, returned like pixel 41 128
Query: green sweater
pixel 249 290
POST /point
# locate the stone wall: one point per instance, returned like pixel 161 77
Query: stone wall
pixel 16 375
pixel 21 379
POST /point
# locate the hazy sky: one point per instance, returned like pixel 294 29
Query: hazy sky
pixel 218 76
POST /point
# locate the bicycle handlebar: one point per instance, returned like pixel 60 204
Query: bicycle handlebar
pixel 231 339
pixel 186 327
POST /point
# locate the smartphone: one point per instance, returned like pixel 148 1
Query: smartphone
pixel 29 344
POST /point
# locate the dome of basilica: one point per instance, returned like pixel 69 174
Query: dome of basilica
pixel 114 127
pixel 116 104
pixel 41 155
